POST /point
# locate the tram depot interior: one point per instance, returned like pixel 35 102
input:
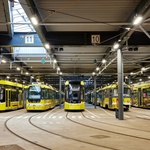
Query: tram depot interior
pixel 59 46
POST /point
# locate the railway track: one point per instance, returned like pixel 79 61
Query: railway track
pixel 109 131
pixel 20 136
pixel 102 122
pixel 70 138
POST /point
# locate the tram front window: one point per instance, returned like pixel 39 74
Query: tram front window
pixel 74 92
pixel 125 94
pixel 34 93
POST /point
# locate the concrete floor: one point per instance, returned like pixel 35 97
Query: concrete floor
pixel 92 129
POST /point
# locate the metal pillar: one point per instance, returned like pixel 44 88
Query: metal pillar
pixel 129 80
pixel 60 92
pixel 95 92
pixel 30 79
pixel 120 84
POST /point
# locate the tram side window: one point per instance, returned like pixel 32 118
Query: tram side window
pixel 144 93
pixel 135 94
pixel 49 94
pixel 53 94
pixel 1 95
pixel 106 93
pixel 44 94
pixel 148 92
pixel 19 96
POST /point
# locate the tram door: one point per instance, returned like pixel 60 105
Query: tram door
pixel 7 97
pixel 139 97
pixel 19 98
pixel 110 98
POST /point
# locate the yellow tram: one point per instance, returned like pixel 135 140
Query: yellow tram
pixel 141 95
pixel 10 95
pixel 109 97
pixel 74 95
pixel 40 97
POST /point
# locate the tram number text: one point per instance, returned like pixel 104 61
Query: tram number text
pixel 95 39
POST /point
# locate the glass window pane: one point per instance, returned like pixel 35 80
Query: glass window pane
pixel 19 16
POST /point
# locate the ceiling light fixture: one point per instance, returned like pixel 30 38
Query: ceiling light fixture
pixel 54 61
pixel 34 21
pixel 93 73
pixel 116 46
pixel 97 68
pixel 131 73
pixel 47 46
pixel 137 20
pixel 103 61
pixel 8 77
pixel 143 69
pixel 18 68
pixel 127 28
pixel 58 69
pixel 3 61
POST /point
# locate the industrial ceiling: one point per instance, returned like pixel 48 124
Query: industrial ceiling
pixel 81 33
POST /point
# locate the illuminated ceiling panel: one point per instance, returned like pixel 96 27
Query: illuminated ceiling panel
pixel 19 16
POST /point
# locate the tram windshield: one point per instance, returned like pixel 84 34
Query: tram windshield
pixel 74 89
pixel 125 94
pixel 34 92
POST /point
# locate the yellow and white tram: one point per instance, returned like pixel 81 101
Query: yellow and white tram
pixel 10 95
pixel 141 95
pixel 109 97
pixel 74 95
pixel 40 97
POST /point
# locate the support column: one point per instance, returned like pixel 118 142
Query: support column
pixel 95 101
pixel 31 79
pixel 60 92
pixel 120 84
